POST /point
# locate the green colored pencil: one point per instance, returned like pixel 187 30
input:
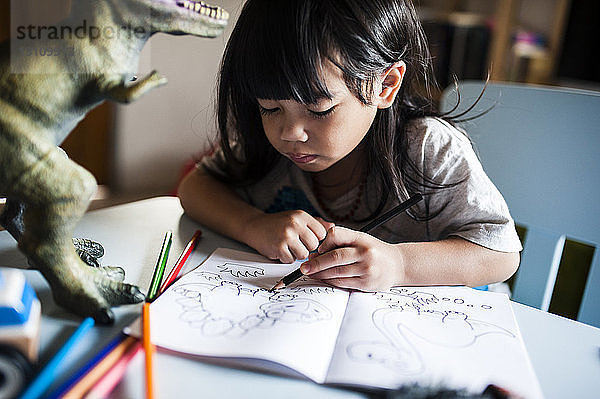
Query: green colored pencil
pixel 160 267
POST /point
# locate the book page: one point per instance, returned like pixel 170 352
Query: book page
pixel 223 308
pixel 454 337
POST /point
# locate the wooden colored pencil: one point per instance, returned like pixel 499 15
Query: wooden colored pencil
pixel 185 254
pixel 109 381
pixel 67 385
pixel 160 267
pixel 87 382
pixel 148 349
pixel 46 377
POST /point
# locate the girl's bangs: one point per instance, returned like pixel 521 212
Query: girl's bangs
pixel 282 60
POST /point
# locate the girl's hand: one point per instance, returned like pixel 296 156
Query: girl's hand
pixel 355 260
pixel 286 236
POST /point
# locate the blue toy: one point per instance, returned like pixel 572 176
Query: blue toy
pixel 20 315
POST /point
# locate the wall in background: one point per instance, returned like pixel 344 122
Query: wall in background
pixel 156 135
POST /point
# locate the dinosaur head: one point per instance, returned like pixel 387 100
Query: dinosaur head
pixel 192 17
pixel 178 17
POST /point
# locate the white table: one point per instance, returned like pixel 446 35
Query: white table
pixel 565 354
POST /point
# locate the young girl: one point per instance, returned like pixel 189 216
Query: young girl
pixel 324 124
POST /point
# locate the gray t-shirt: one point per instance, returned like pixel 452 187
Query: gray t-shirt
pixel 473 209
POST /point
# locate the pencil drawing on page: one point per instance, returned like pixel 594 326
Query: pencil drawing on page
pixel 220 307
pixel 223 309
pixel 307 285
pixel 411 318
pixel 304 284
pixel 241 270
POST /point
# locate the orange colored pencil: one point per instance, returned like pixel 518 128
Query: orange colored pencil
pixel 87 381
pixel 107 383
pixel 149 350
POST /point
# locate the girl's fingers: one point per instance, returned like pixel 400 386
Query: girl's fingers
pixel 351 283
pixel 283 254
pixel 309 240
pixel 298 250
pixel 286 257
pixel 319 228
pixel 330 259
pixel 338 237
pixel 316 232
pixel 340 271
pixel 327 225
pixel 312 255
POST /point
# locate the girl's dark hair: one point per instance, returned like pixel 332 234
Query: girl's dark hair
pixel 277 50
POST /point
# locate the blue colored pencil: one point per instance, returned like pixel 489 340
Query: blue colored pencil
pixel 46 377
pixel 64 388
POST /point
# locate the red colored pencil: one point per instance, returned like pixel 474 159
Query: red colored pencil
pixel 181 261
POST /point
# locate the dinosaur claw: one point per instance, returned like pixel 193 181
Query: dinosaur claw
pixel 114 273
pixel 89 251
pixel 137 295
pixel 104 316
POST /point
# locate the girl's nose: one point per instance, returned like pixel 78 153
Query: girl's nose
pixel 293 131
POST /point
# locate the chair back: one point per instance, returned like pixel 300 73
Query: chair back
pixel 540 146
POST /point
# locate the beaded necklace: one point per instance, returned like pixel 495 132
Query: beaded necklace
pixel 353 207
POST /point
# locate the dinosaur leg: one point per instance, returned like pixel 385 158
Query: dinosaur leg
pixel 57 192
pixel 12 220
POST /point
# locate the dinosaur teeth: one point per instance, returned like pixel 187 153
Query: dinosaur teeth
pixel 202 8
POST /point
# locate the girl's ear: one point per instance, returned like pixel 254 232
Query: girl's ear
pixel 391 80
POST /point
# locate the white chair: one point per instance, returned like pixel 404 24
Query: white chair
pixel 540 146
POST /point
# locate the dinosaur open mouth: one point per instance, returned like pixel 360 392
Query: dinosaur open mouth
pixel 202 8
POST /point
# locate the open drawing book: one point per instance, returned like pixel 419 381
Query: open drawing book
pixel 452 336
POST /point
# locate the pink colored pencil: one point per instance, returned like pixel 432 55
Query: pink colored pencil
pixel 94 375
pixel 181 261
pixel 107 383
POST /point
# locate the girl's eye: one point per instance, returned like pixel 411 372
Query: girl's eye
pixel 322 114
pixel 267 111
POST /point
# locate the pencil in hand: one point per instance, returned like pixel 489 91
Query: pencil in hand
pixel 287 280
pixel 296 274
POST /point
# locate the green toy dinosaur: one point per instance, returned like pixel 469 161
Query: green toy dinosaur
pixel 42 98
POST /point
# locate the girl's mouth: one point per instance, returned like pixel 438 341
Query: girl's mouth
pixel 301 158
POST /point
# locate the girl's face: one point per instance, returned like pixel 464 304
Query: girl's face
pixel 317 136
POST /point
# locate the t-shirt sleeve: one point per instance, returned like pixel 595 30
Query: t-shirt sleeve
pixel 215 162
pixel 469 206
pixel 212 161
